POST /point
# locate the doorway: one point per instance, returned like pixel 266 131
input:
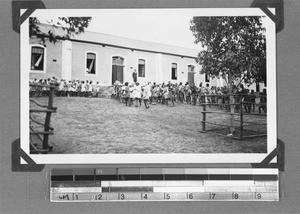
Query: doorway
pixel 117 69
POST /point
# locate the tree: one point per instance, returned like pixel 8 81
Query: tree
pixel 234 48
pixel 69 27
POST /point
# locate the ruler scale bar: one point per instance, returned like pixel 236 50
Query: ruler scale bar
pixel 169 184
pixel 260 177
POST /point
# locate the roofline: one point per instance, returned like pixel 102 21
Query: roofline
pixel 129 48
pixel 119 46
pixel 137 40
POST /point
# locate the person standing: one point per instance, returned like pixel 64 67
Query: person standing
pixel 146 95
pixel 137 94
pixel 263 101
pixel 134 76
pixel 126 93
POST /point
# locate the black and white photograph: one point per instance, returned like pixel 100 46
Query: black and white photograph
pixel 148 86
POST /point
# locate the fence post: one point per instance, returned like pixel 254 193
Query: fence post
pixel 47 120
pixel 241 117
pixel 204 114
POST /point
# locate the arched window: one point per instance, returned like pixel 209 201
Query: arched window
pixel 191 68
pixel 174 71
pixel 141 68
pixel 117 60
pixel 37 58
pixel 90 63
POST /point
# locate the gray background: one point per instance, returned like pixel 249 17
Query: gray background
pixel 27 192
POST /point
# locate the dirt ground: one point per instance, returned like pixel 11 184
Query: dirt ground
pixel 101 126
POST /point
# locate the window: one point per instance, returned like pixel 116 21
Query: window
pixel 90 63
pixel 174 71
pixel 37 58
pixel 141 68
pixel 191 68
pixel 206 78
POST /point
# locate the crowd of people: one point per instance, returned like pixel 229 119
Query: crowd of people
pixel 74 88
pixel 167 94
pixel 171 93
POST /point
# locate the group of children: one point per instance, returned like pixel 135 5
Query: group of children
pixel 190 94
pixel 74 88
pixel 152 93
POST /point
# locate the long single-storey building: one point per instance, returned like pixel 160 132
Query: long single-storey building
pixel 105 59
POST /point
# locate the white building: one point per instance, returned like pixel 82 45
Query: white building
pixel 107 58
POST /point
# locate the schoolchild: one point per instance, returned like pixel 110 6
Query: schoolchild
pixel 79 88
pixel 172 94
pixel 219 97
pixel 65 90
pixel 131 94
pixel 126 93
pixel 156 93
pixel 60 88
pixel 252 100
pixel 145 96
pixel 90 89
pixel 47 90
pixel 137 94
pixel 94 89
pixel 213 92
pixel 193 90
pixel 83 86
pixel 201 91
pixel 263 101
pixel 98 86
pixel 75 84
pixel 44 89
pixel 122 93
pixel 86 91
pixel 225 99
pixel 207 92
pixel 176 92
pixel 166 94
pixel 69 89
pixel 151 95
pixel 187 93
pixel 247 99
pixel 149 85
pixel 180 92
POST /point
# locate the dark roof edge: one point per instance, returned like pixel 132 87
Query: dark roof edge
pixel 129 48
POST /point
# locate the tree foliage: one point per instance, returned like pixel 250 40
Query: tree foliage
pixel 233 46
pixel 69 26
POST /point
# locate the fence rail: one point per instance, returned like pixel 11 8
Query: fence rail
pixel 239 124
pixel 48 109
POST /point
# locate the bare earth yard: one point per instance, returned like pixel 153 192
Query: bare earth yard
pixel 101 126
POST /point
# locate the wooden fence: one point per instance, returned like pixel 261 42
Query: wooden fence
pixel 242 128
pixel 39 108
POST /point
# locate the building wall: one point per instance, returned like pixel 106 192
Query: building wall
pixel 53 60
pixel 182 69
pixel 104 57
pixel 67 60
pixel 155 64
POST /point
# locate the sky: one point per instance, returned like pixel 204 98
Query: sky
pixel 165 26
pixel 159 26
